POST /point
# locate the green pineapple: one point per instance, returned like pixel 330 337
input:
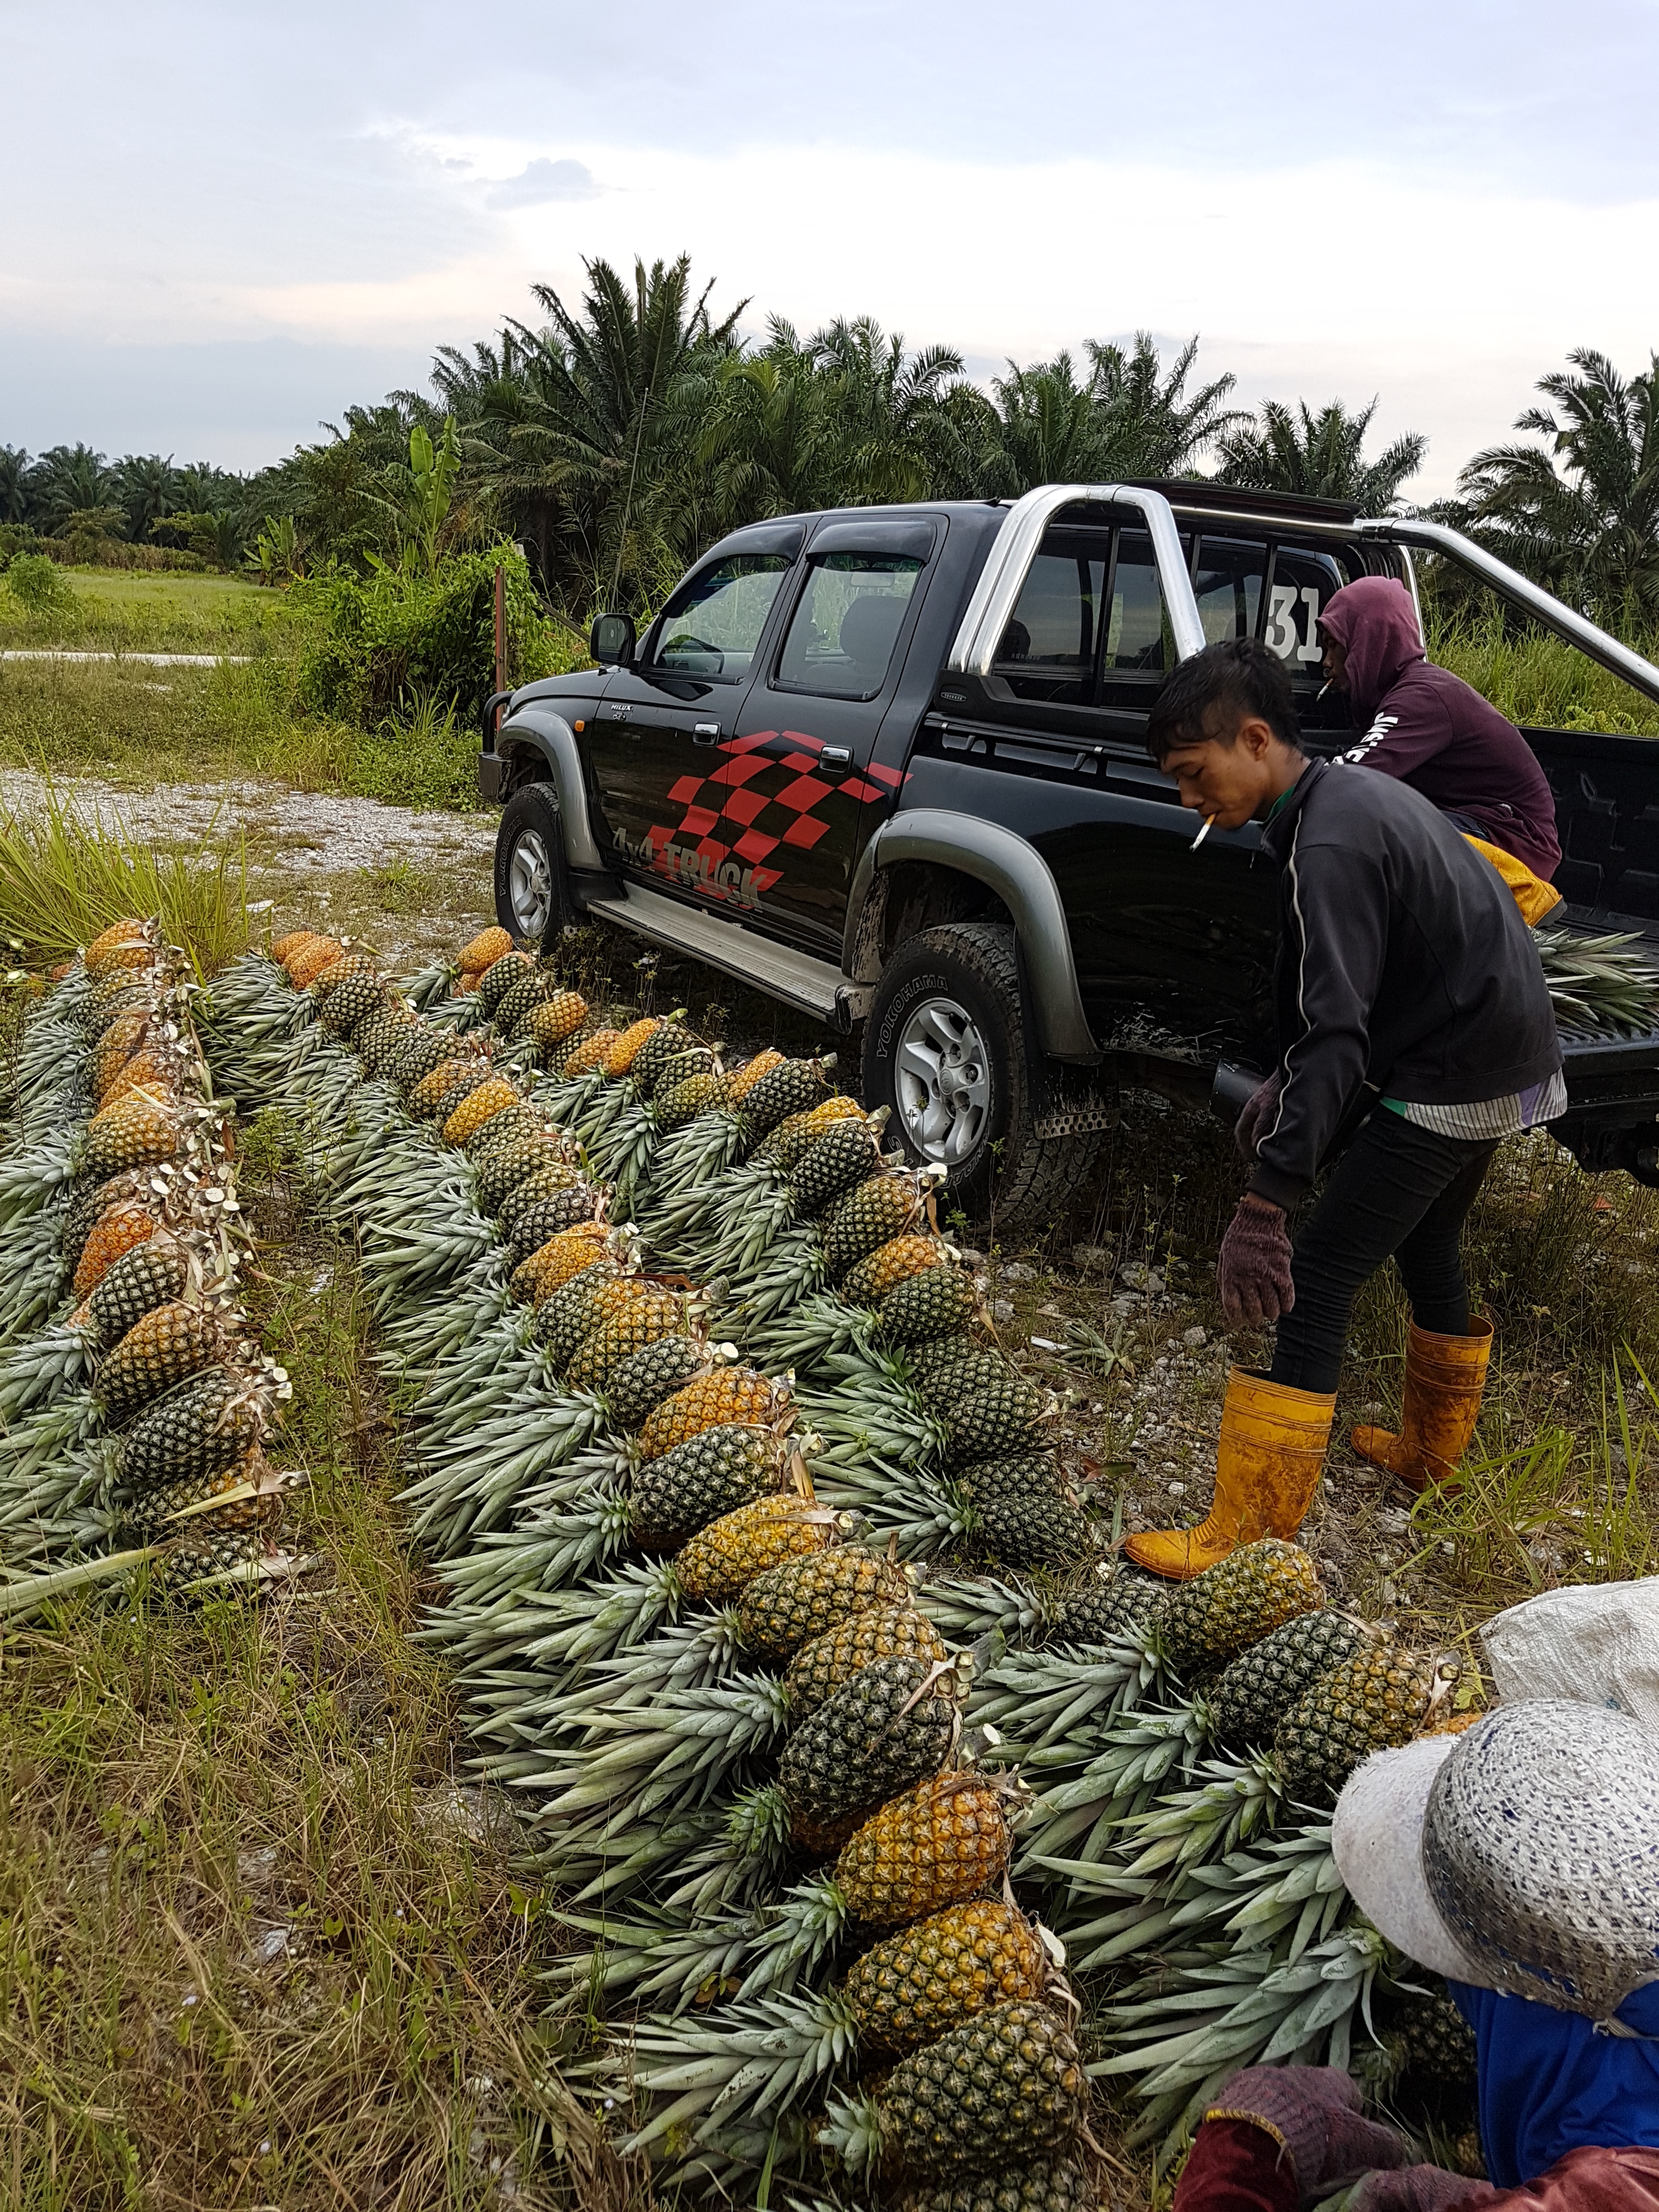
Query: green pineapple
pixel 1107 1610
pixel 1262 1684
pixel 957 1369
pixel 1374 1701
pixel 710 1474
pixel 205 1424
pixel 687 1061
pixel 881 1208
pixel 1034 1529
pixel 1030 2185
pixel 528 990
pixel 996 1421
pixel 501 1174
pixel 791 1604
pixel 639 1382
pixel 499 977
pixel 642 1321
pixel 794 1088
pixel 895 1722
pixel 503 1128
pixel 841 1159
pixel 414 1055
pixel 821 1668
pixel 669 1043
pixel 376 1038
pixel 538 1224
pixel 677 1103
pixel 352 1001
pixel 563 1320
pixel 1211 1619
pixel 937 1303
pixel 146 1276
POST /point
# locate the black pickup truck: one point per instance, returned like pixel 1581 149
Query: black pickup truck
pixel 886 764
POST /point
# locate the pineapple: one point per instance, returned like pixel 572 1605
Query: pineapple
pixel 113 947
pixel 896 1722
pixel 134 1131
pixel 568 1253
pixel 510 1178
pixel 112 1234
pixel 744 1079
pixel 796 1136
pixel 337 972
pixel 795 1087
pixel 158 1068
pixel 620 1059
pixel 821 1668
pixel 285 947
pixel 646 1377
pixel 723 1557
pixel 90 1200
pixel 955 1369
pixel 499 977
pixel 1004 2085
pixel 517 1002
pixel 1001 1418
pixel 707 1478
pixel 1211 1619
pixel 589 1053
pixel 170 1342
pixel 791 1605
pixel 116 1047
pixel 430 1092
pixel 939 1844
pixel 154 1512
pixel 925 1307
pixel 868 1281
pixel 203 1426
pixel 1262 1684
pixel 1374 1701
pixel 880 1209
pixel 548 1216
pixel 679 1102
pixel 146 1276
pixel 1109 1610
pixel 839 1161
pixel 669 1042
pixel 379 1032
pixel 666 1074
pixel 483 952
pixel 409 1058
pixel 916 1986
pixel 568 1314
pixel 308 962
pixel 1030 2185
pixel 731 1394
pixel 493 1096
pixel 1036 1473
pixel 642 1320
pixel 556 1019
pixel 115 995
pixel 1032 1529
pixel 512 1124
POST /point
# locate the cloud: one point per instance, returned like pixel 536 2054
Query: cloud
pixel 542 180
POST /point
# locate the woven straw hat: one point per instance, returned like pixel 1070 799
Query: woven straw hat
pixel 1522 1856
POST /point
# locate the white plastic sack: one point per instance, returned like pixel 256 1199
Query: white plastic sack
pixel 1599 1645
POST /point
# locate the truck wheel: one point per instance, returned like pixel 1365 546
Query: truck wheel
pixel 943 1050
pixel 531 894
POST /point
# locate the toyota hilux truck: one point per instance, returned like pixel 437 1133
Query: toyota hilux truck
pixel 887 765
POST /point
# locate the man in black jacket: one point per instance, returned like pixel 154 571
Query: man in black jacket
pixel 1414 1025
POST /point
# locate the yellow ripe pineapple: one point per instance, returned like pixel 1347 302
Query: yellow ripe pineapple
pixel 123 1038
pixel 114 947
pixel 306 965
pixel 131 1132
pixel 556 1019
pixel 890 1265
pixel 481 1104
pixel 938 1845
pixel 744 1079
pixel 626 1050
pixel 642 1320
pixel 591 1052
pixel 566 1254
pixel 729 1394
pixel 720 1560
pixel 486 948
pixel 285 947
pixel 912 1988
pixel 337 972
pixel 155 1070
pixel 423 1100
pixel 112 1234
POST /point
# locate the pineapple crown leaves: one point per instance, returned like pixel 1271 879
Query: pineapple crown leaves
pixel 694 1736
pixel 757 2057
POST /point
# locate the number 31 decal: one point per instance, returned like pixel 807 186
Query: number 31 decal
pixel 1283 635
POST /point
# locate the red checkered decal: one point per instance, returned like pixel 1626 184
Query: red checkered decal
pixel 749 784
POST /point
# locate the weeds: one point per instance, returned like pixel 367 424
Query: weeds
pixel 1541 683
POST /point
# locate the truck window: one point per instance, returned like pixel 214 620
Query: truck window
pixel 1048 650
pixel 1137 636
pixel 1304 582
pixel 840 640
pixel 1227 582
pixel 712 624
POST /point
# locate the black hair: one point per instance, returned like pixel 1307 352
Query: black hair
pixel 1240 673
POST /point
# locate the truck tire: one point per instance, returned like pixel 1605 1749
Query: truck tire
pixel 945 1050
pixel 532 892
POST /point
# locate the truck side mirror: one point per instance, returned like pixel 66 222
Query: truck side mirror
pixel 611 641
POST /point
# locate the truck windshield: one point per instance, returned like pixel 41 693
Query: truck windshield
pixel 714 623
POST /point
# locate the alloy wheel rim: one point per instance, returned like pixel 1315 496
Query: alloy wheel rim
pixel 530 883
pixel 943 1081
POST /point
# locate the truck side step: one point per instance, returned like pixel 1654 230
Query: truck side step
pixel 816 987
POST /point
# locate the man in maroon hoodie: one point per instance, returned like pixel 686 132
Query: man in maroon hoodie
pixel 1428 728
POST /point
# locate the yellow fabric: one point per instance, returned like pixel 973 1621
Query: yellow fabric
pixel 1534 897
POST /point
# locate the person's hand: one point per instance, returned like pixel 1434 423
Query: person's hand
pixel 1254 1116
pixel 1253 1269
pixel 1314 2110
pixel 1421 2189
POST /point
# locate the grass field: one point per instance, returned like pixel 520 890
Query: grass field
pixel 139 610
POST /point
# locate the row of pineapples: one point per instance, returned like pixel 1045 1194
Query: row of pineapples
pixel 685 1760
pixel 133 1409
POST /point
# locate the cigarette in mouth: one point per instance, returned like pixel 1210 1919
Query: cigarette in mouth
pixel 1204 827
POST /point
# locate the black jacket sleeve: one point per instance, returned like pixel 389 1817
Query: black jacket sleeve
pixel 1334 905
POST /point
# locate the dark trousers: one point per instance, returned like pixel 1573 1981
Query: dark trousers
pixel 1398 1190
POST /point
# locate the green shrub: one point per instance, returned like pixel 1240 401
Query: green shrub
pixel 383 644
pixel 35 583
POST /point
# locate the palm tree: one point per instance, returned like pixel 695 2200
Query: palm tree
pixel 1050 430
pixel 69 480
pixel 885 405
pixel 1151 427
pixel 14 493
pixel 147 487
pixel 765 439
pixel 1319 456
pixel 1581 511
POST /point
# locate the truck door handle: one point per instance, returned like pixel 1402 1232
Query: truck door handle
pixel 705 733
pixel 835 760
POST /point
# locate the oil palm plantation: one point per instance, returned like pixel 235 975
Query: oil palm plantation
pixel 1580 511
pixel 1320 455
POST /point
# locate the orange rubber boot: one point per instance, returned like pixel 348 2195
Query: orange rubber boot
pixel 1445 1376
pixel 1266 1465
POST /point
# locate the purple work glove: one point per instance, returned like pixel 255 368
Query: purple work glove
pixel 1315 2112
pixel 1421 2189
pixel 1254 1266
pixel 1254 1116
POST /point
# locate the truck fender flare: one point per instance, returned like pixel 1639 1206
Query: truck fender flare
pixel 1011 866
pixel 537 729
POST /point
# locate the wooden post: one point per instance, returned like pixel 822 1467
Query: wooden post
pixel 500 633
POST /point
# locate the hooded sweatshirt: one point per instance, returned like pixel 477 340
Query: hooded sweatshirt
pixel 1430 729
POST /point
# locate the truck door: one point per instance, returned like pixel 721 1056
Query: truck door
pixel 783 810
pixel 658 729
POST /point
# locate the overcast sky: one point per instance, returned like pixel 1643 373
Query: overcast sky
pixel 223 223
